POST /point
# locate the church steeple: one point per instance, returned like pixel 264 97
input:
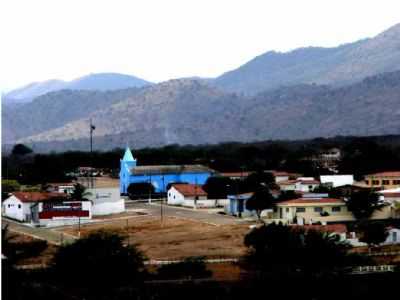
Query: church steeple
pixel 128 157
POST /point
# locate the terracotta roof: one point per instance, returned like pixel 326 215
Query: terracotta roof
pixel 288 182
pixel 189 189
pixel 386 174
pixel 168 169
pixel 391 195
pixel 38 196
pixel 236 174
pixel 312 201
pixel 281 173
pixel 337 228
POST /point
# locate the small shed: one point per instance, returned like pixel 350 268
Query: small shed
pixel 189 195
pixel 237 205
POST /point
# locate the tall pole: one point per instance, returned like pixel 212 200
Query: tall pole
pixel 92 128
pixel 150 186
pixel 79 227
pixel 195 193
pixel 127 230
pixel 162 200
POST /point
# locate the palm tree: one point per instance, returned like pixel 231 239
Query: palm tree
pixel 79 193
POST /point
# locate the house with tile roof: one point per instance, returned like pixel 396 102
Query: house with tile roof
pixel 44 208
pixel 311 210
pixel 323 210
pixel 383 180
pixel 301 184
pixel 189 195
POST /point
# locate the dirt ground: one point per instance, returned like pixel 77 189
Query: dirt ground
pixel 176 238
pixel 99 182
pixel 43 258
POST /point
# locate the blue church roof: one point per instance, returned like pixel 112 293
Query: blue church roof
pixel 128 155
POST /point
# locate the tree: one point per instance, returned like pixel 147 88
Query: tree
pixel 191 267
pixel 21 149
pixel 280 249
pixel 100 260
pixel 254 180
pixel 8 186
pixel 287 195
pixel 139 190
pixel 373 233
pixel 219 187
pixel 363 204
pixel 260 200
pixel 79 193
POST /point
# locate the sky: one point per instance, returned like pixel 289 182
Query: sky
pixel 161 40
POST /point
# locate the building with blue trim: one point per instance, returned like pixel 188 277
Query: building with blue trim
pixel 160 176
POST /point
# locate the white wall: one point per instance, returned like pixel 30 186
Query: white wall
pixel 281 178
pixel 13 208
pixel 174 197
pixel 202 202
pixel 303 187
pixel 393 237
pixel 106 201
pixel 337 180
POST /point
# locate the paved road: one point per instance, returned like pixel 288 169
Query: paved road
pixel 199 215
pixel 49 235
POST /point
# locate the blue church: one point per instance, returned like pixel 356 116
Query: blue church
pixel 159 176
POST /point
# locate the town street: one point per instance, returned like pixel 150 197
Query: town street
pixel 202 215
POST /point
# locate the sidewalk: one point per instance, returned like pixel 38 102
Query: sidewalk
pixel 51 236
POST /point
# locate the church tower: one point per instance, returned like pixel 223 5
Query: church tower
pixel 126 164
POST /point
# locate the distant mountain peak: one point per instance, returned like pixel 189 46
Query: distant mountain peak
pixel 94 81
pixel 342 65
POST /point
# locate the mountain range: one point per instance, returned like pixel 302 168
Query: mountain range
pixel 353 89
pixel 99 81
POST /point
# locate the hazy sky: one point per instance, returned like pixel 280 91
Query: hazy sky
pixel 160 40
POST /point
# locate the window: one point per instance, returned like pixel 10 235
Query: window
pixel 367 182
pixel 318 209
pixel 375 182
pixel 394 236
pixel 396 181
pixel 300 209
pixel 9 205
pixel 385 182
pixel 287 209
pixel 336 209
pixel 19 206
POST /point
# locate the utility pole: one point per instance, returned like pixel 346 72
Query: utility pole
pixel 195 193
pixel 92 128
pixel 150 186
pixel 79 227
pixel 162 200
pixel 127 229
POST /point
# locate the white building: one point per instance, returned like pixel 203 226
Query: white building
pixel 45 209
pixel 301 184
pixel 106 201
pixel 189 195
pixel 337 180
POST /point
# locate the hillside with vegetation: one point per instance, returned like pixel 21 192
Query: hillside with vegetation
pixel 340 65
pixel 191 112
pixel 307 93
